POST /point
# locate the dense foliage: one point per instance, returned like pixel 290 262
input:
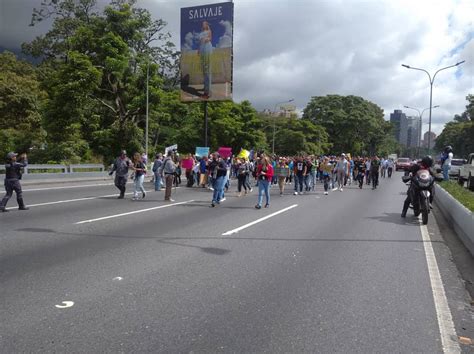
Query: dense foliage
pixel 353 124
pixel 86 99
pixel 459 133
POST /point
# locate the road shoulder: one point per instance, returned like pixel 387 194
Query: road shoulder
pixel 456 266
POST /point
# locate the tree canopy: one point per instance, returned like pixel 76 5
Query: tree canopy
pixel 459 133
pixel 352 123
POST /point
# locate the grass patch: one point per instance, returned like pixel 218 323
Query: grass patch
pixel 463 195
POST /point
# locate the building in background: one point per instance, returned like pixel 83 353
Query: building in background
pixel 410 132
pixel 432 140
pixel 395 118
pixel 407 129
pixel 287 111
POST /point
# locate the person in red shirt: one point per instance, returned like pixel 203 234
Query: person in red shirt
pixel 264 177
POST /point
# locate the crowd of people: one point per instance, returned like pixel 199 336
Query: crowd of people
pixel 216 172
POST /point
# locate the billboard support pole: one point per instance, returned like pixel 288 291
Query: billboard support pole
pixel 205 123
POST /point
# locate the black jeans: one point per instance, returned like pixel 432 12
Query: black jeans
pixel 375 179
pixel 326 182
pixel 121 183
pixel 10 187
pixel 241 181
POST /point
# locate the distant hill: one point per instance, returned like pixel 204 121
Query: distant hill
pixel 20 55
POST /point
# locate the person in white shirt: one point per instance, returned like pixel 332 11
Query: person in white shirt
pixel 447 158
pixel 342 170
pixel 367 170
pixel 390 166
pixel 383 167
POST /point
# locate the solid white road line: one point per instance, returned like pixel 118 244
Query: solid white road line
pixel 132 212
pixel 445 319
pixel 70 200
pixel 68 187
pixel 258 220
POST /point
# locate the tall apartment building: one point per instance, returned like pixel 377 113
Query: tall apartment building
pixel 407 129
pixel 396 117
pixel 410 132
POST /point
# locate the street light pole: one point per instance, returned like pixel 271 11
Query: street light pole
pixel 420 116
pixel 274 122
pixel 146 122
pixel 431 91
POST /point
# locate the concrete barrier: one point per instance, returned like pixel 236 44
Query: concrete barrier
pixel 459 217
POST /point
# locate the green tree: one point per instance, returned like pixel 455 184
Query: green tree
pixel 236 126
pixel 295 136
pixel 21 102
pixel 459 133
pixel 122 43
pixel 353 124
pixel 67 110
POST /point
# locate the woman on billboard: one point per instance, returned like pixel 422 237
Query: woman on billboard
pixel 205 51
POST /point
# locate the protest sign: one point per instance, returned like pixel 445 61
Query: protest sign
pixel 202 151
pixel 225 152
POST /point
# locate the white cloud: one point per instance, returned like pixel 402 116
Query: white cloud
pixel 188 42
pixel 225 41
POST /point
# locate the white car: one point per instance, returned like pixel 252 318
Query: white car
pixel 466 173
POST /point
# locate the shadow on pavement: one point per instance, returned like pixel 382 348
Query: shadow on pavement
pixel 395 218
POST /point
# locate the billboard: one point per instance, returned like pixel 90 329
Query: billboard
pixel 206 52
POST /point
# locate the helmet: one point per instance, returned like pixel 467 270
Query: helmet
pixel 123 152
pixel 427 161
pixel 448 149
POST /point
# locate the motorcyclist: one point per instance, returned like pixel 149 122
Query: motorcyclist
pixel 426 163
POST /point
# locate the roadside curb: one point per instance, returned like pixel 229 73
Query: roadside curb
pixel 457 215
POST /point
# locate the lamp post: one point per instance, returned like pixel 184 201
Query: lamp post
pixel 431 91
pixel 146 121
pixel 274 119
pixel 420 115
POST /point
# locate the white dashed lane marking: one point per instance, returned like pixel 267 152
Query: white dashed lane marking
pixel 132 212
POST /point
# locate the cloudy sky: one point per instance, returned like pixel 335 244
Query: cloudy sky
pixel 287 49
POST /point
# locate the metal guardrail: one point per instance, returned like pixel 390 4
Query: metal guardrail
pixel 96 166
pixel 64 169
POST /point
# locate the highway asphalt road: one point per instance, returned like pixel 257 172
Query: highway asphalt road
pixel 83 272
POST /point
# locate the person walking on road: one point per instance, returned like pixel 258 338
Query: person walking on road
pixel 367 170
pixel 156 168
pixel 220 176
pixel 139 169
pixel 383 167
pixel 374 172
pixel 342 170
pixel 326 171
pixel 242 173
pixel 360 170
pixel 168 170
pixel 300 173
pixel 264 176
pixel 282 172
pixel 120 167
pixel 390 166
pixel 12 180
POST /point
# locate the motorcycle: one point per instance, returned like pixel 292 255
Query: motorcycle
pixel 419 192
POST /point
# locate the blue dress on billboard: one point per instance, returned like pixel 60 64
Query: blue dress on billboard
pixel 205 51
